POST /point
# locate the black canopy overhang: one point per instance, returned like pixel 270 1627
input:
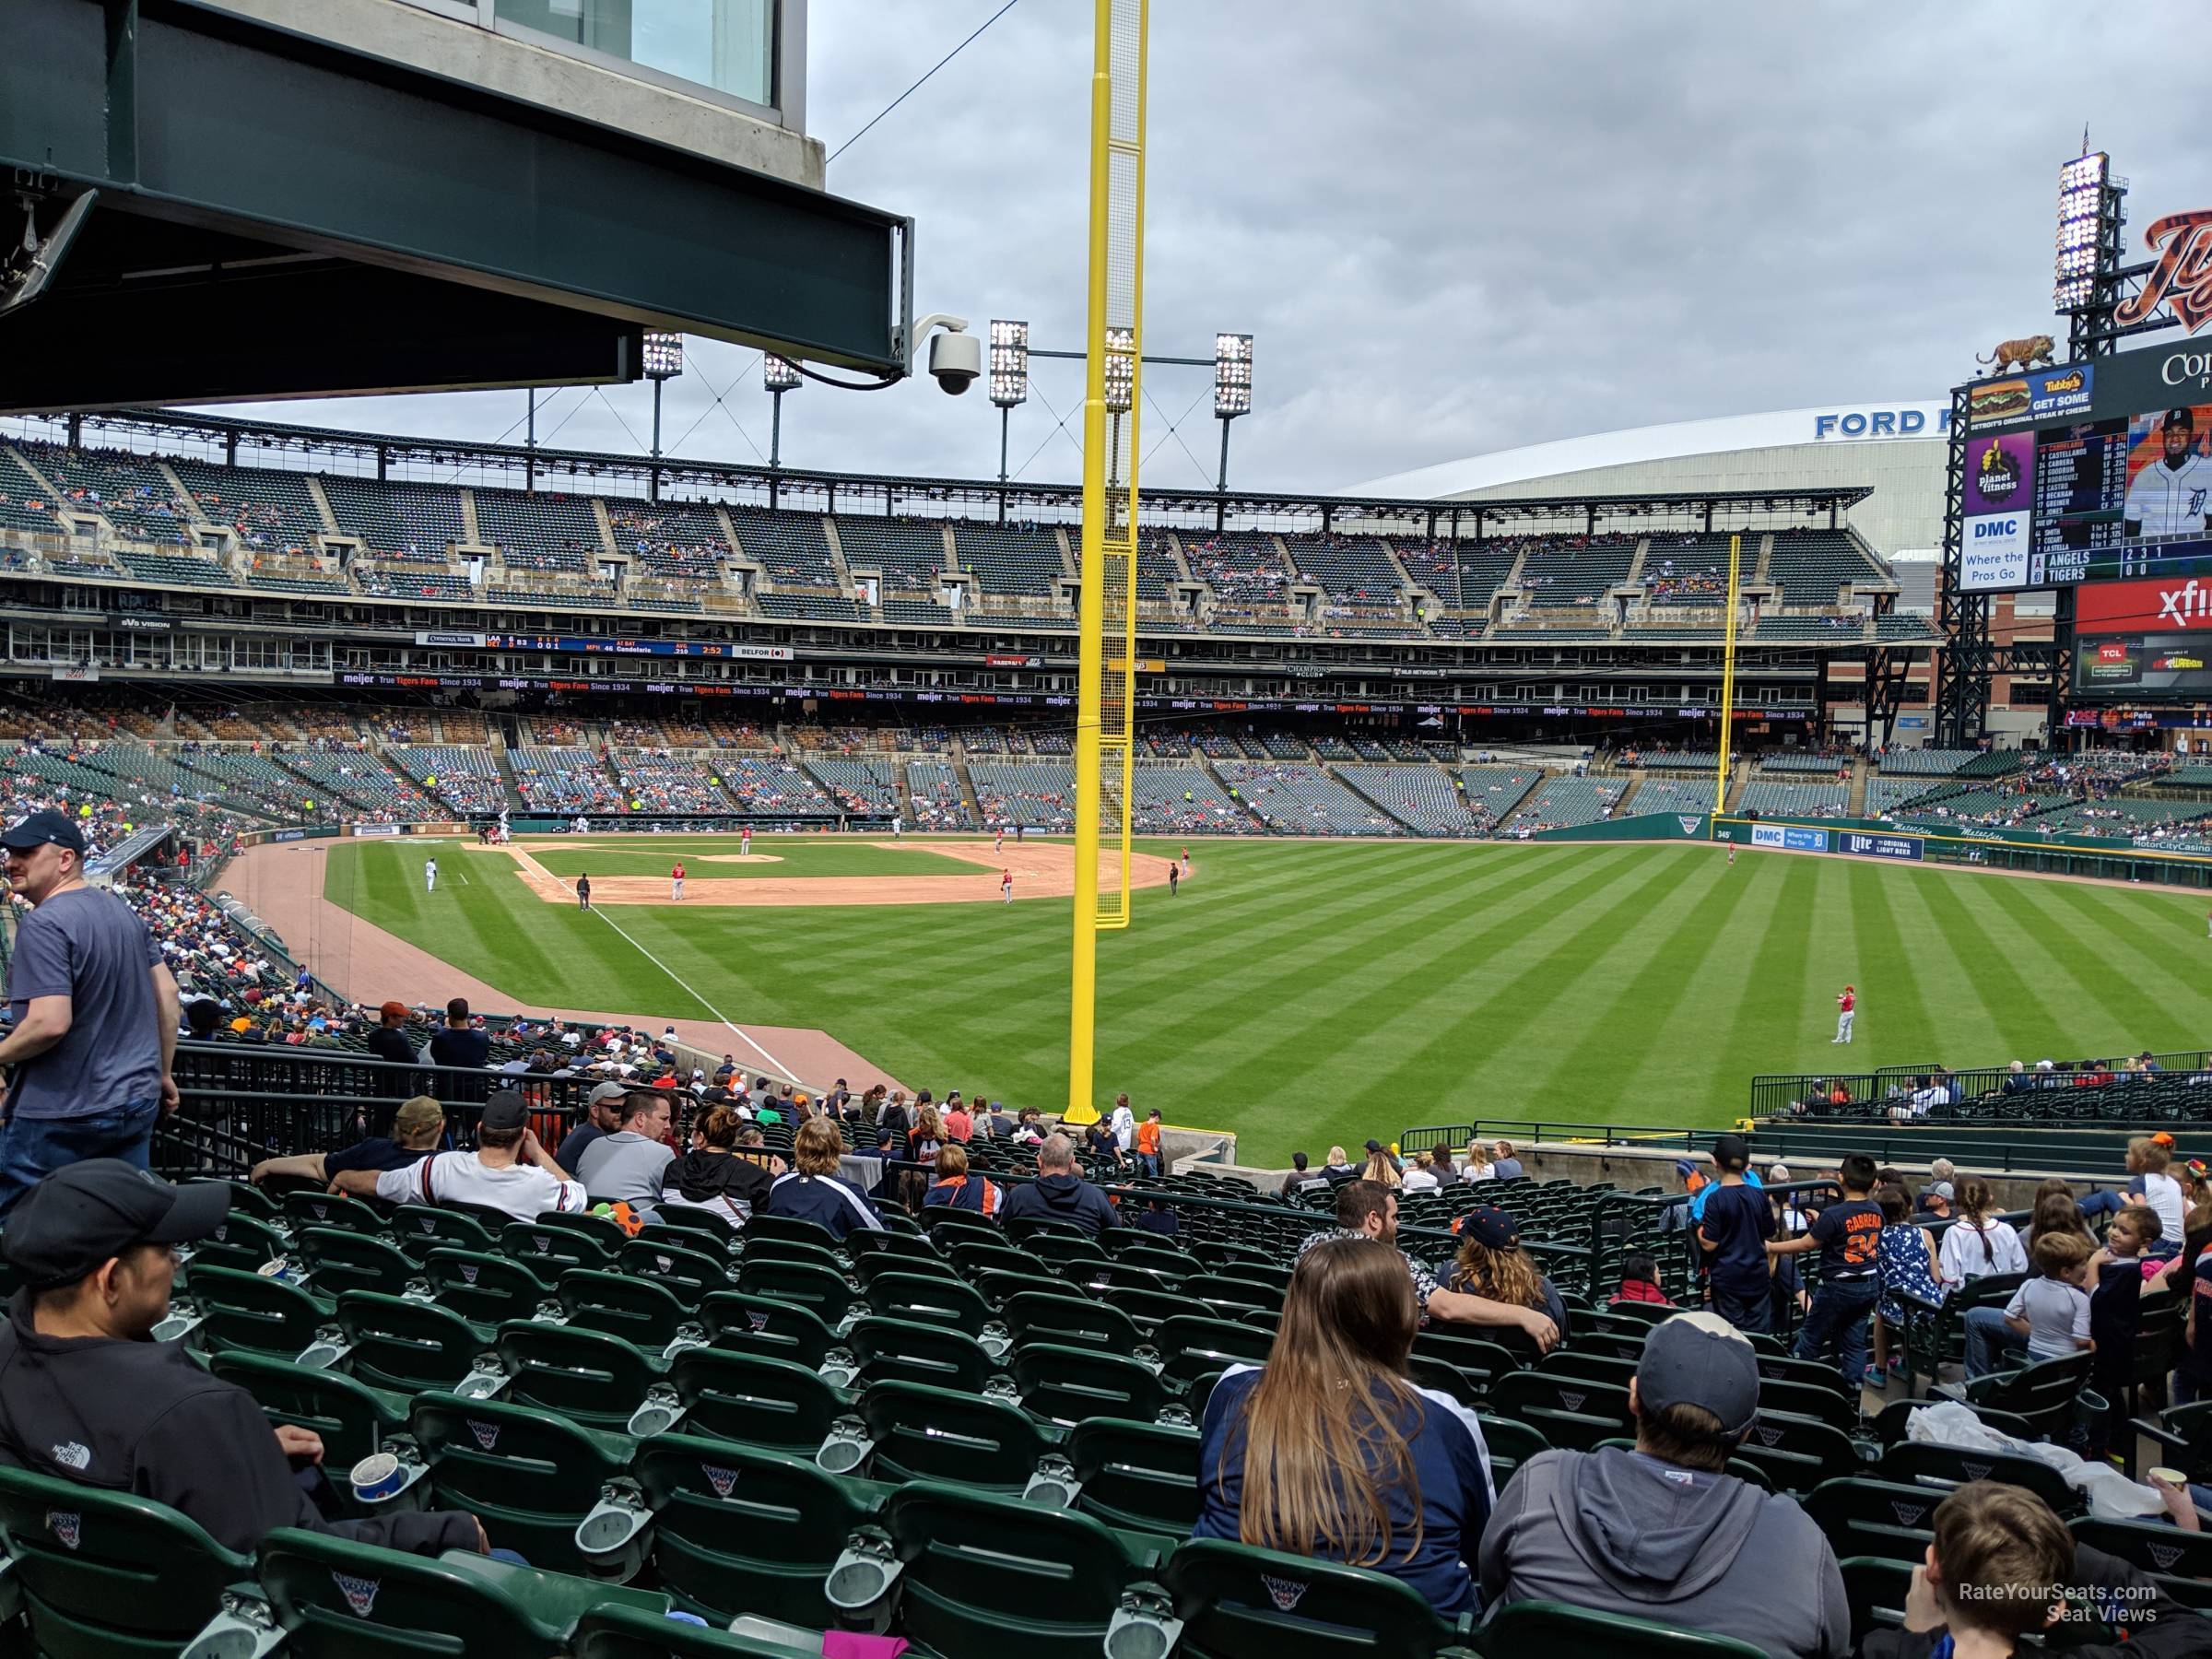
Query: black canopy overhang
pixel 277 215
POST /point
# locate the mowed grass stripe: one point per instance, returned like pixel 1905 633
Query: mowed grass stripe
pixel 1299 992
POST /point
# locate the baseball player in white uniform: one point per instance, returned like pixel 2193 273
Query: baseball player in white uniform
pixel 430 875
pixel 2169 497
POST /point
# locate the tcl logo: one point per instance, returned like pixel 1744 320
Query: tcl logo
pixel 2115 652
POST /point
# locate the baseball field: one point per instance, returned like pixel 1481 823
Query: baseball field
pixel 1305 993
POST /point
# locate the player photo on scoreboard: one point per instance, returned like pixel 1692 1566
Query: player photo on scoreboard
pixel 2169 473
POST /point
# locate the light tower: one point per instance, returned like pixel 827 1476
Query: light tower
pixel 664 362
pixel 778 375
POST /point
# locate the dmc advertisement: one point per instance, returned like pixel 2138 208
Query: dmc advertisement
pixel 1791 838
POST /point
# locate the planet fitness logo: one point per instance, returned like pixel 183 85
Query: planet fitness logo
pixel 1999 476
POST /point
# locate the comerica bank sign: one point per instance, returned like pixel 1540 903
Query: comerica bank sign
pixel 1933 421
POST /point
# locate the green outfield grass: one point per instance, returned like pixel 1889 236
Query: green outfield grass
pixel 1306 993
pixel 796 856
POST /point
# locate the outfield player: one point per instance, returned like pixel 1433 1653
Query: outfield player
pixel 430 875
pixel 676 880
pixel 583 892
pixel 1847 1008
pixel 2167 497
pixel 1006 885
pixel 1732 856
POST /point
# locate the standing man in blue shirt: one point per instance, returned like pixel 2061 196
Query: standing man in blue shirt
pixel 95 1017
pixel 1733 1230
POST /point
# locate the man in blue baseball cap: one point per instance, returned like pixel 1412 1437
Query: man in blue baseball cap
pixel 95 1016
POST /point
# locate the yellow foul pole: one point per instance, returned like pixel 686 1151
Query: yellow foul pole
pixel 1719 783
pixel 1113 350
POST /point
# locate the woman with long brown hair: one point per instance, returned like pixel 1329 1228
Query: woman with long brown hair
pixel 1492 1263
pixel 1330 1451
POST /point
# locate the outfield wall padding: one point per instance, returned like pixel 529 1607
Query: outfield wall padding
pixel 1647 826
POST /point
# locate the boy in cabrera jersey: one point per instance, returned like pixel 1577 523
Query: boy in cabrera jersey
pixel 2169 496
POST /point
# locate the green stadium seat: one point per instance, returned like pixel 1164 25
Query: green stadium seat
pixel 1935 1332
pixel 1192 1345
pixel 420 1229
pixel 1921 1462
pixel 1877 1590
pixel 1150 1309
pixel 243 1242
pixel 948 1226
pixel 587 1377
pixel 353 1418
pixel 247 1312
pixel 605 1229
pixel 528 1475
pixel 1236 1600
pixel 2167 1553
pixel 935 1299
pixel 1139 1476
pixel 982 1255
pixel 751 1399
pixel 1571 1412
pixel 788 1229
pixel 913 1250
pixel 2185 1433
pixel 819 1289
pixel 737 1529
pixel 1816 1400
pixel 983 1573
pixel 551 1251
pixel 918 1432
pixel 339 1598
pixel 1890 1423
pixel 341 1259
pixel 636 1633
pixel 1066 1385
pixel 1510 1444
pixel 767 1325
pixel 314 1208
pixel 1560 1631
pixel 1059 1247
pixel 405 1346
pixel 1483 1361
pixel 887 1349
pixel 1883 1518
pixel 636 1309
pixel 488 1290
pixel 1575 1361
pixel 2046 1394
pixel 1797 1454
pixel 804 1251
pixel 108 1575
pixel 1069 1321
pixel 1447 1379
pixel 684 1269
pixel 714 1229
pixel 246 1199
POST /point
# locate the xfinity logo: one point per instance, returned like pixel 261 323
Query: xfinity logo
pixel 2187 369
pixel 2178 605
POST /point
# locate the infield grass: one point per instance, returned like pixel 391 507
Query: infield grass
pixel 1305 993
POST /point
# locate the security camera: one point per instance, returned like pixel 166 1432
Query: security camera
pixel 956 361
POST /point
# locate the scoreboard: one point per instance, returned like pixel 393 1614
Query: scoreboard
pixel 2089 472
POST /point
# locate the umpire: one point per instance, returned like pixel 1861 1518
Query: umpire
pixel 87 1394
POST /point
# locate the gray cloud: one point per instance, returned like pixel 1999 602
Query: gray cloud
pixel 1453 227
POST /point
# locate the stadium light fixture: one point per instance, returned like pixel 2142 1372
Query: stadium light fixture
pixel 1009 363
pixel 1233 397
pixel 1121 369
pixel 2081 188
pixel 779 375
pixel 664 355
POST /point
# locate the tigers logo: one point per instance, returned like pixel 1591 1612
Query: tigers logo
pixel 1690 825
pixel 1286 1593
pixel 1908 1514
pixel 2165 1555
pixel 723 1481
pixel 2182 279
pixel 65 1525
pixel 359 1592
pixel 468 1272
pixel 488 1434
pixel 1573 1402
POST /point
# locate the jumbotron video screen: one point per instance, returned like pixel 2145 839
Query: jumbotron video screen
pixel 2089 472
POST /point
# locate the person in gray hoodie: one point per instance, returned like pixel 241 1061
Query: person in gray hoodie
pixel 1663 1532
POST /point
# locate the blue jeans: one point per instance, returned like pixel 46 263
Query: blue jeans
pixel 32 1148
pixel 1990 1341
pixel 1746 1313
pixel 2104 1201
pixel 1839 1311
pixel 1147 1163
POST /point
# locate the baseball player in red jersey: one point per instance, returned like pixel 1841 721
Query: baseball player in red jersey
pixel 1846 1011
pixel 745 842
pixel 1006 885
pixel 998 842
pixel 676 880
pixel 1732 856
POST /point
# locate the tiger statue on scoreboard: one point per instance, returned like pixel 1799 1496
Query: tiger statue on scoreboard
pixel 2034 352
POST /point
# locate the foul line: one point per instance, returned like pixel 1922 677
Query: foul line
pixel 774 1064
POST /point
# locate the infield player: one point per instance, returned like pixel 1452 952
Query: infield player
pixel 998 842
pixel 583 892
pixel 1186 863
pixel 745 842
pixel 1847 1008
pixel 676 880
pixel 1006 885
pixel 2167 497
pixel 430 875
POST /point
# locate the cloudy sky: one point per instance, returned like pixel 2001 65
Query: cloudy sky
pixel 1453 227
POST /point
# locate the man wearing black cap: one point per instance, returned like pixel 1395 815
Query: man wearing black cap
pixel 95 1009
pixel 508 1171
pixel 1663 1532
pixel 2167 497
pixel 86 1395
